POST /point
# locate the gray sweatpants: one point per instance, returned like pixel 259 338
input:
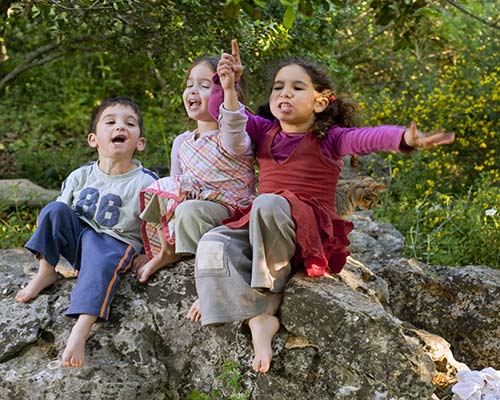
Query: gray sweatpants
pixel 193 218
pixel 238 269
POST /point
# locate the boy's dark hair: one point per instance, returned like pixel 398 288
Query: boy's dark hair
pixel 125 101
pixel 340 112
pixel 212 63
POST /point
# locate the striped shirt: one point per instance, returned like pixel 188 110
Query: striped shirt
pixel 216 166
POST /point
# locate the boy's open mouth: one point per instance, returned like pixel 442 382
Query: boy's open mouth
pixel 119 139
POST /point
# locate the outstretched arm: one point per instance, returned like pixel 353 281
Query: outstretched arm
pixel 365 140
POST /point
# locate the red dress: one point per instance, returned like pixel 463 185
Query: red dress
pixel 308 182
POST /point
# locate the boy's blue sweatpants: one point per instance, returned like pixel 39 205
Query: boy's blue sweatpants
pixel 99 258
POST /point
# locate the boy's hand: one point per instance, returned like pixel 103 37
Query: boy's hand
pixel 416 139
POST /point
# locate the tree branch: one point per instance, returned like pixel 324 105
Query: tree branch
pixel 92 7
pixel 460 8
pixel 364 43
pixel 40 57
pixel 4 7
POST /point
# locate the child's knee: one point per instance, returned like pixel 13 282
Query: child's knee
pixel 268 205
pixel 189 210
pixel 55 210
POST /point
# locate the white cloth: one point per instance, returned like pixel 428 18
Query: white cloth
pixel 477 385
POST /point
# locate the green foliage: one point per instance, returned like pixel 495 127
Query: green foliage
pixel 16 226
pixel 451 230
pixel 438 198
pixel 230 380
pixel 404 15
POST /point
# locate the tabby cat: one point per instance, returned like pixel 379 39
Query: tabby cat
pixel 359 193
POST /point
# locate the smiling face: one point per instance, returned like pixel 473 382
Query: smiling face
pixel 117 133
pixel 293 100
pixel 197 92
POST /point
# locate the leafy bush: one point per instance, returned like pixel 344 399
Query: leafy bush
pixel 438 198
pixel 16 226
pixel 444 229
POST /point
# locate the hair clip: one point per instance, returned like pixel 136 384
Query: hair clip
pixel 331 99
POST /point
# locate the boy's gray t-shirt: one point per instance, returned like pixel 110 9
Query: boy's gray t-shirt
pixel 108 203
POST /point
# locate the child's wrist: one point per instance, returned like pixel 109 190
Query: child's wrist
pixel 404 147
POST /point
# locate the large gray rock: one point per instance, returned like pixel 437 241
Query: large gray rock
pixel 14 192
pixel 460 304
pixel 338 340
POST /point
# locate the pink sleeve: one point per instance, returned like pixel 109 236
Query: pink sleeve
pixel 216 97
pixel 256 126
pixel 175 166
pixel 360 141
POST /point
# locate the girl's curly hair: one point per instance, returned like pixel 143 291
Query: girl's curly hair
pixel 341 110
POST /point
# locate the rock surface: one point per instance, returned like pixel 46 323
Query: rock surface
pixel 368 333
pixel 14 192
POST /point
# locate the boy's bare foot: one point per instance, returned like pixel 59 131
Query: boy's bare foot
pixel 157 262
pixel 74 353
pixel 45 277
pixel 263 328
pixel 194 312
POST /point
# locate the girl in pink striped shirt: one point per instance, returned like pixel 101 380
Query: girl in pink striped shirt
pixel 211 176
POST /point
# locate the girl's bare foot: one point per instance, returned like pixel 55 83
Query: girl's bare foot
pixel 263 328
pixel 45 277
pixel 74 353
pixel 139 261
pixel 157 262
pixel 194 312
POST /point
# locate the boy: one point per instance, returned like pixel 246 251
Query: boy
pixel 94 223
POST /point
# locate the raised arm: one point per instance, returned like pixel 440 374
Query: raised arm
pixel 232 120
pixel 217 92
pixel 226 72
pixel 256 126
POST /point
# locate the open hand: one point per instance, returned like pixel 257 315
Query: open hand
pixel 414 138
